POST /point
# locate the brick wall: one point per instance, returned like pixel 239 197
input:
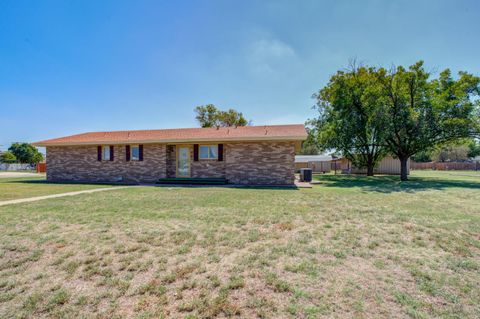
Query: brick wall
pixel 171 161
pixel 204 168
pixel 79 163
pixel 269 163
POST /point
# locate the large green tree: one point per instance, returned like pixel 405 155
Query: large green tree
pixel 474 149
pixel 7 157
pixel 26 153
pixel 351 117
pixel 423 113
pixel 367 112
pixel 310 145
pixel 210 116
pixel 451 153
pixel 423 156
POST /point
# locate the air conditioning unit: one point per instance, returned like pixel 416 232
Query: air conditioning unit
pixel 306 175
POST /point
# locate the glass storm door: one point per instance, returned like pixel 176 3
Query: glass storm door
pixel 183 161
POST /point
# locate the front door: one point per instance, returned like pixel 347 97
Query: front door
pixel 183 161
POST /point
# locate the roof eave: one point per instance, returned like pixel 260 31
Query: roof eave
pixel 166 141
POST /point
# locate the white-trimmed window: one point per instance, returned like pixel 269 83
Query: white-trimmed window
pixel 106 153
pixel 135 152
pixel 208 152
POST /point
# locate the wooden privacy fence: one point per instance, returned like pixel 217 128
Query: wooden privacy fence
pixel 447 166
pixel 41 167
pixel 427 165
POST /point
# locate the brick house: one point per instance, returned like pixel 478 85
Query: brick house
pixel 239 155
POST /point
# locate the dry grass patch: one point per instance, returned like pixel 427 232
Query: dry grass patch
pixel 25 187
pixel 352 247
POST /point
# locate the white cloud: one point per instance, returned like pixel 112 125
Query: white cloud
pixel 271 48
pixel 268 55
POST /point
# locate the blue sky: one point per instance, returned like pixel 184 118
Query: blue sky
pixel 72 66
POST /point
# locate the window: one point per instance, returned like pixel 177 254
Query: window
pixel 135 152
pixel 208 151
pixel 106 153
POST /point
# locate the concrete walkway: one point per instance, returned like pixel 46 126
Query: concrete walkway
pixel 33 199
pixel 6 174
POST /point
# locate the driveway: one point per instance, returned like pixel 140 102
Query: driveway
pixel 19 174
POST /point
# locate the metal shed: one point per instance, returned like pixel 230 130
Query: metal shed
pixel 318 163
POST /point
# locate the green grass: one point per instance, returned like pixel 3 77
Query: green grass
pixel 15 188
pixel 349 247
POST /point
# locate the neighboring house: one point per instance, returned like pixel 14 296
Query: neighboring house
pixel 240 155
pixel 318 163
pixel 389 165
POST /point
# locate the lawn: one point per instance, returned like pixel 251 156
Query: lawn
pixel 349 247
pixel 15 188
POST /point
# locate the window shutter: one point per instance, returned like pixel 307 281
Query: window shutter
pixel 127 153
pixel 111 152
pixel 99 153
pixel 220 152
pixel 140 151
pixel 195 152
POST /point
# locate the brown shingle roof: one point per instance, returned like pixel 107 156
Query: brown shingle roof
pixel 294 132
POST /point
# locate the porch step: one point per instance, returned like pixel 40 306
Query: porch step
pixel 193 181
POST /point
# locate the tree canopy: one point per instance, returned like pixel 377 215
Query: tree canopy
pixel 367 112
pixel 26 153
pixel 8 157
pixel 451 153
pixel 474 149
pixel 459 151
pixel 210 116
pixel 310 146
pixel 423 113
pixel 351 117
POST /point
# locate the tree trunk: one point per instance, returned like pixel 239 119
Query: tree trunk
pixel 370 165
pixel 403 168
pixel 370 168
